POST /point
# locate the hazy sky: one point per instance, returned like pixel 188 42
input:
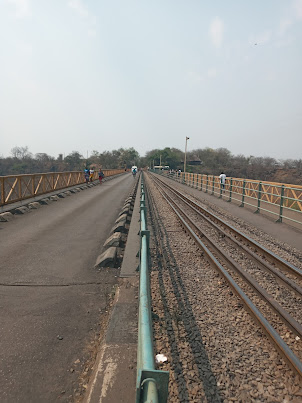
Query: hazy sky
pixel 89 75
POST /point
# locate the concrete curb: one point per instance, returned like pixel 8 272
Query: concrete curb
pixel 22 210
pixel 123 217
pixel 114 240
pixel 118 233
pixel 114 374
pixel 107 258
pixel 4 217
pixel 45 201
pixel 34 205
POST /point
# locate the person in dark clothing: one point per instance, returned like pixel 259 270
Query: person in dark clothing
pixel 86 174
pixel 101 175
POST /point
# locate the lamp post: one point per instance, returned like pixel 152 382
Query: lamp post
pixel 185 162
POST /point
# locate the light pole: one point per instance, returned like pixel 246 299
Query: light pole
pixel 185 162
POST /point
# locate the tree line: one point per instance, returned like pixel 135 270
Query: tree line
pixel 214 161
pixel 22 161
pixel 207 161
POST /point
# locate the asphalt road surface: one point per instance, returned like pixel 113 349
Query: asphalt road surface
pixel 51 298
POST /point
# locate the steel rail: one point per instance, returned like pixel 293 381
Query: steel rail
pixel 232 264
pixel 207 377
pixel 290 268
pixel 273 335
pixel 256 258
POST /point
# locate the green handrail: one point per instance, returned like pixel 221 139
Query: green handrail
pixel 151 384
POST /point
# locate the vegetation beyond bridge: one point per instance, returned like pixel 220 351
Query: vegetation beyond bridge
pixel 206 161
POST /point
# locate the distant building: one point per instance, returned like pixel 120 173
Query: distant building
pixel 160 167
pixel 193 162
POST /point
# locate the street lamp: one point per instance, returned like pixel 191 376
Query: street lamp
pixel 185 162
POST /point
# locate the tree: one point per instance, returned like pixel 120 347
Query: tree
pixel 128 158
pixel 21 152
pixel 43 157
pixel 75 161
pixel 167 156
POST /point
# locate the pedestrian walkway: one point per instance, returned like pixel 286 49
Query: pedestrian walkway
pixel 114 377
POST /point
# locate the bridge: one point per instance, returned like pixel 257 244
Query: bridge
pixel 73 319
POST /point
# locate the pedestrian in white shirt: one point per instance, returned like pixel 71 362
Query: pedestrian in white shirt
pixel 222 177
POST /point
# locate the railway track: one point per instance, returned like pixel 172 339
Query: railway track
pixel 268 286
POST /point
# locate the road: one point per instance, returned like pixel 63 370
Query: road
pixel 52 300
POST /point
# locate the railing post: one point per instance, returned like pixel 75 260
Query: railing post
pixel 201 179
pixel 33 185
pixel 2 191
pixel 20 187
pixel 243 193
pixel 259 197
pixel 207 183
pixel 281 204
pixel 230 191
pixel 213 185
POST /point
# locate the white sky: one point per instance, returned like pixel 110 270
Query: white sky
pixel 80 75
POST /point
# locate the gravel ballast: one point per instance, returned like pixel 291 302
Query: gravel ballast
pixel 215 350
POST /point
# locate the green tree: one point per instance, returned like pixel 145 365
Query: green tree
pixel 167 156
pixel 128 158
pixel 74 161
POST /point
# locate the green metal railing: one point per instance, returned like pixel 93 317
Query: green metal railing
pixel 151 384
pixel 282 201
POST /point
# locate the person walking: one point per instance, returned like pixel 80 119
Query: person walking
pixel 101 175
pixel 222 177
pixel 86 174
pixel 91 173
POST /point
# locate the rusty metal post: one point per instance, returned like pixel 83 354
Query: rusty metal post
pixel 259 197
pixel 243 193
pixel 281 204
pixel 2 191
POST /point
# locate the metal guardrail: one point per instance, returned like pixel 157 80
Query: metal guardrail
pixel 14 188
pixel 282 201
pixel 151 384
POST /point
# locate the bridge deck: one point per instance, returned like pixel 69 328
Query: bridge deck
pixel 52 298
pixel 54 303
